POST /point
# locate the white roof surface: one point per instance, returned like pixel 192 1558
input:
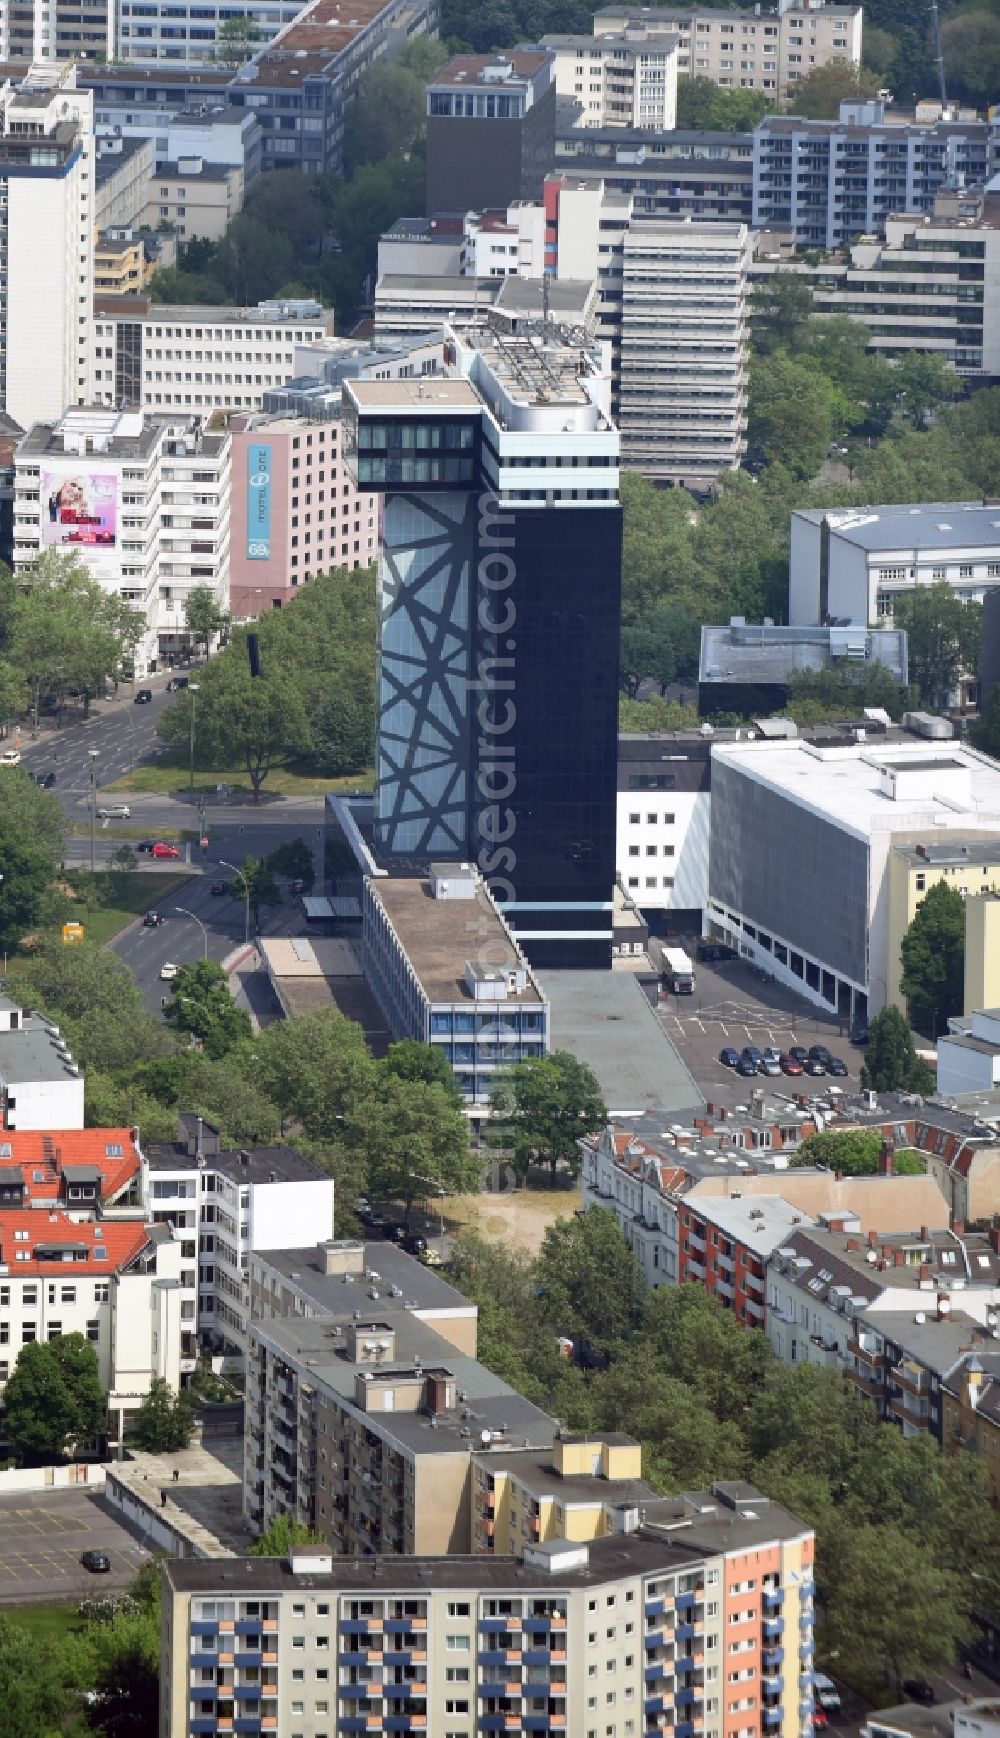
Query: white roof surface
pixel 923 525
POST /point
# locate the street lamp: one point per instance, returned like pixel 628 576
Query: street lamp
pixel 201 926
pixel 246 891
pixel 92 753
pixel 192 690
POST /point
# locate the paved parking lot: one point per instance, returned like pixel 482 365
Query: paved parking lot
pixel 733 1005
pixel 41 1537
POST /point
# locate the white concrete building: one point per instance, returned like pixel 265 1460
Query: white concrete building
pixel 622 80
pixel 851 564
pixel 171 361
pixel 117 1284
pixel 221 135
pixel 664 819
pixel 968 1054
pixel 41 1086
pixel 766 52
pixel 227 1204
pixel 145 504
pixel 188 31
pixel 46 244
pixel 58 30
pixel 801 839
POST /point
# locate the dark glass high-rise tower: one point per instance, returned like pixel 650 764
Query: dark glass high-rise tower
pixel 500 594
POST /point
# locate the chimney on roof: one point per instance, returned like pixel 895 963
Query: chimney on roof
pixel 958 1226
pixel 925 1271
pixel 925 1234
pixel 887 1252
pixel 900 1258
pixel 873 1239
pixel 885 1159
pixel 199 1139
pixel 943 1306
pixel 852 1245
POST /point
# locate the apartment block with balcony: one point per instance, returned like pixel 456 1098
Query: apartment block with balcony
pixel 625 81
pixel 699 1622
pixel 577 1491
pixel 970 1413
pixel 770 52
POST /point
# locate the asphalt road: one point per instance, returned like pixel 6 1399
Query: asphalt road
pixel 43 1535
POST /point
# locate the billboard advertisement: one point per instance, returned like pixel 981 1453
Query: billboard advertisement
pixel 259 501
pixel 79 508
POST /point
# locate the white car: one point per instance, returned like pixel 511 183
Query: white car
pixel 10 757
pixel 167 972
pixel 826 1692
pixel 114 812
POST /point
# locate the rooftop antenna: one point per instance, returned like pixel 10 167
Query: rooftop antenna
pixel 939 58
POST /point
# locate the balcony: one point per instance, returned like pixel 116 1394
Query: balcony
pixel 773 1601
pixel 773 1628
pixel 773 1657
pixel 772 1719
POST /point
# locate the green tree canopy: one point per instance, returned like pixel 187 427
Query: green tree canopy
pixel 204 617
pixel 317 1070
pixel 414 1140
pixel 891 1063
pixel 703 106
pixel 164 1421
pixel 96 1002
pixel 820 94
pixel 255 722
pixel 53 1398
pixel 411 1060
pixel 542 1108
pixel 202 1006
pixel 284 1532
pixel 943 635
pixel 854 1153
pixel 237 36
pixel 933 959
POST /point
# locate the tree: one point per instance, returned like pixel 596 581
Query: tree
pixel 971 46
pixel 241 718
pixel 590 1279
pixel 236 38
pixel 891 1063
pixel 854 1153
pixel 408 1059
pixel 122 865
pixel 925 380
pixel 97 1003
pixel 943 636
pixel 27 874
pixel 343 735
pixel 256 883
pixel 781 303
pixel 646 717
pixel 53 1398
pixel 294 859
pixel 284 1532
pixel 387 115
pixel 202 1006
pixel 933 959
pixel 66 631
pixel 703 106
pixel 414 1139
pixel 790 418
pixel 819 95
pixel 34 1693
pixel 544 1107
pixel 164 1421
pixel 317 1070
pixel 203 615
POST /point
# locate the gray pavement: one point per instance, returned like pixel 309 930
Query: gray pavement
pixel 43 1534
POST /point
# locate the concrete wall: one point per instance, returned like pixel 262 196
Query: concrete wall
pixel 73 1476
pixel 962 1070
pixel 291 1215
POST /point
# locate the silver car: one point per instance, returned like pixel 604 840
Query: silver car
pixel 769 1065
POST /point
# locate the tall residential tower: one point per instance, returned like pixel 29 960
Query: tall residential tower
pixel 500 590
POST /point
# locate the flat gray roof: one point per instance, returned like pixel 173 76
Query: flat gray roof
pixel 745 652
pixel 926 524
pixel 419 1285
pixel 604 1019
pixel 439 936
pixel 938 1345
pixel 30 1053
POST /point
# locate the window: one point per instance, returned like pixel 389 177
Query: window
pixel 457 1644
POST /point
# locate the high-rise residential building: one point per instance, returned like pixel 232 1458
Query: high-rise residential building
pixel 697 1618
pixel 832 181
pixel 143 503
pixel 500 583
pixel 46 244
pixel 763 51
pixel 490 129
pixel 188 31
pixel 620 81
pixel 682 174
pixel 58 30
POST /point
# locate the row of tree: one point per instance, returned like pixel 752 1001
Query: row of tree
pixel 906 1536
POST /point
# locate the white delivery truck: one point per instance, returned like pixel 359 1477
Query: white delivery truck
pixel 678 971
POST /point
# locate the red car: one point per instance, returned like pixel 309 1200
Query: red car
pixel 161 849
pixel 820 1717
pixel 789 1065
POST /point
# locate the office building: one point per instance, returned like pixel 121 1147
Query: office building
pixel 500 584
pixel 447 971
pixel 683 351
pixel 118 491
pixel 700 176
pixel 664 809
pixel 475 1645
pixel 829 182
pixel 125 260
pixel 167 360
pixel 222 134
pixel 123 171
pixel 626 80
pixel 931 285
pixel 409 308
pixel 801 837
pixel 849 565
pixel 766 52
pixel 295 509
pixel 490 130
pixel 297 85
pixel 46 244
pixel 226 1203
pixel 747 668
pixel 195 198
pixel 41 1087
pixel 58 30
pixel 188 31
pixel 476 244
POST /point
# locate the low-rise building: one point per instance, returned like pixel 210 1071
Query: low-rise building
pixel 959 1145
pixel 77 1171
pixel 574 1490
pixel 851 564
pixel 968 1054
pixel 41 1087
pixel 769 52
pixel 219 133
pixel 123 264
pixel 474 1644
pixel 143 503
pixel 747 667
pixel 175 361
pixel 226 1203
pixel 447 971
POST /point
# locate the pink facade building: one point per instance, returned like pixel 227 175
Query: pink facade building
pixel 294 509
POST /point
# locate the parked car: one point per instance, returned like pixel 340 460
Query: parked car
pixel 177 682
pixel 919 1690
pixel 729 1057
pixel 10 757
pixel 45 779
pixel 798 1053
pixel 114 812
pixel 144 847
pixel 752 1054
pixel 819 1053
pixel 143 696
pixel 168 972
pixel 774 1051
pixel 162 849
pixel 431 1257
pixel 219 889
pixel 152 920
pixel 789 1064
pixel 812 1065
pixel 825 1692
pixel 835 1065
pixel 98 1562
pixel 715 950
pixel 769 1065
pixel 820 1718
pixel 859 1032
pixel 413 1243
pixel 745 1067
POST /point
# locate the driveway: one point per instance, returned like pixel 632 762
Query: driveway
pixel 43 1535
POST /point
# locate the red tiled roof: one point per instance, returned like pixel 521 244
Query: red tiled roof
pixel 41 1156
pixel 24 1234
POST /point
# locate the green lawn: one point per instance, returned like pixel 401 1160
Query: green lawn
pixel 101 923
pixel 46 1622
pixel 169 776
